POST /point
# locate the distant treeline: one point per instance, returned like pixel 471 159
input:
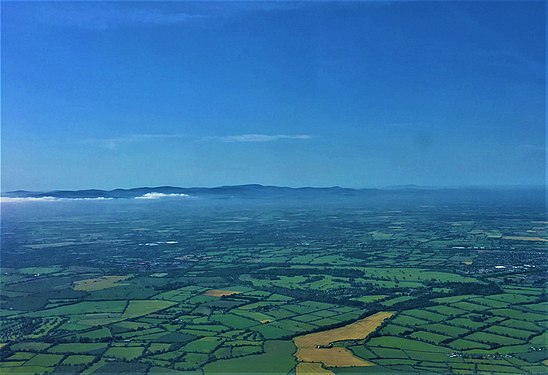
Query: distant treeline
pixel 273 273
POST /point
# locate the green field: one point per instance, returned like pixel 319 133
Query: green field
pixel 277 358
pixel 235 287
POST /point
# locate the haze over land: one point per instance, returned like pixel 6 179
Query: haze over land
pixel 261 193
pixel 254 279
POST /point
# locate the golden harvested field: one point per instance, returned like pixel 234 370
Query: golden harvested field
pixel 520 238
pixel 307 350
pixel 360 329
pixel 220 292
pixel 331 357
pixel 99 283
pixel 305 368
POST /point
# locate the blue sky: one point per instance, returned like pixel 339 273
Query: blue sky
pixel 106 95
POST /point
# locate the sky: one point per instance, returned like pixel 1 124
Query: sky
pixel 357 94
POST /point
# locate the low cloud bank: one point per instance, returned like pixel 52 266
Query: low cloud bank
pixel 47 199
pixel 154 195
pixel 147 196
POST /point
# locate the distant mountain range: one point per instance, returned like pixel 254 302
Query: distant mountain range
pixel 236 191
pixel 261 191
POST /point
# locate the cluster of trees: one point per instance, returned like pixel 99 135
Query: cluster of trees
pixel 14 329
pixel 273 273
pixel 484 289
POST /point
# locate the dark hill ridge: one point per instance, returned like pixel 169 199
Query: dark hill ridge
pixel 252 190
pixel 402 193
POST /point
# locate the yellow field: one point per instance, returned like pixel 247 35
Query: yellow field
pixel 307 350
pixel 358 330
pixel 220 292
pixel 99 283
pixel 520 238
pixel 304 368
pixel 331 357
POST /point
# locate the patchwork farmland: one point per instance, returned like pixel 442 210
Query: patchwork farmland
pixel 292 290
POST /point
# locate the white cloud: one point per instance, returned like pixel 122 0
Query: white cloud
pixel 259 137
pixel 154 195
pixel 114 143
pixel 98 17
pixel 27 199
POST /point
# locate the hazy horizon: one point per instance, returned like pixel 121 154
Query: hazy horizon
pixel 402 186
